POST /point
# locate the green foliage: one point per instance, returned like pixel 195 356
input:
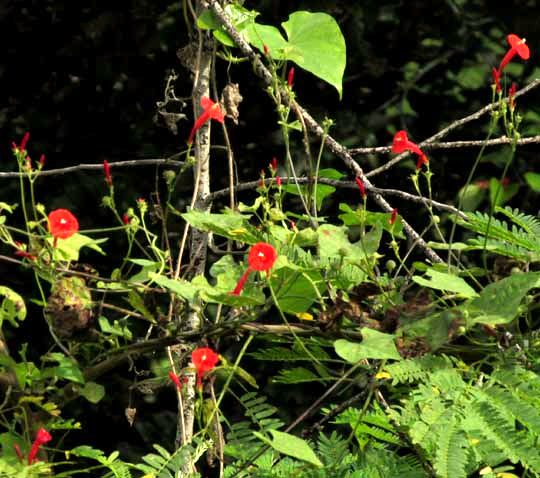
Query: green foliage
pixel 13 308
pixel 519 239
pixel 166 465
pixel 374 345
pixel 461 422
pixel 314 40
pixel 328 312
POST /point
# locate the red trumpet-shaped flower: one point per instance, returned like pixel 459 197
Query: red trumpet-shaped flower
pixel 42 437
pixel 107 172
pixel 211 111
pixel 204 359
pixel 512 97
pixel 393 217
pixel 517 47
pixel 497 79
pixel 290 77
pixel 261 257
pixel 22 146
pixel 176 380
pixel 62 224
pixel 361 187
pixel 402 143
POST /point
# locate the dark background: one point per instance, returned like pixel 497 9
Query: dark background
pixel 84 78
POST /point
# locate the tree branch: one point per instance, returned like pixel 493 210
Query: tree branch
pixel 314 127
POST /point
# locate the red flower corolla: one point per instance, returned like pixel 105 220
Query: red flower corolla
pixel 361 187
pixel 511 97
pixel 22 252
pixel 42 437
pixel 517 47
pixel 290 77
pixel 496 79
pixel 211 111
pixel 107 171
pixel 393 217
pixel 204 359
pixel 261 257
pixel 402 143
pixel 175 379
pixel 18 452
pixel 273 164
pixel 62 224
pixel 22 146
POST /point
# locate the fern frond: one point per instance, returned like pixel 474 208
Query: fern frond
pixel 495 427
pixel 510 403
pixel 369 425
pixel 451 454
pixel 241 442
pixel 520 240
pixel 294 354
pixel 166 465
pixel 416 370
pixel 530 224
pixel 297 375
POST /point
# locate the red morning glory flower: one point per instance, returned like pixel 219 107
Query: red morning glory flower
pixel 204 359
pixel 62 224
pixel 211 111
pixel 402 143
pixel 261 257
pixel 42 437
pixel 517 47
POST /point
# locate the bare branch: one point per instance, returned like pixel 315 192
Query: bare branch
pixel 98 167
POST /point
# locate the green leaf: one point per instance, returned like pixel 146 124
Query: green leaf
pixel 117 328
pixel 446 282
pixel 502 194
pixel 334 245
pixel 240 17
pixel 295 291
pixel 183 288
pixel 12 308
pixel 471 196
pixel 229 224
pixel 499 302
pixel 67 368
pixel 291 445
pixel 317 45
pixel 93 392
pixel 361 217
pixel 68 249
pixel 374 345
pixel 533 180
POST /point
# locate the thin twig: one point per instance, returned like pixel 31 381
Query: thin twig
pixel 97 167
pixel 449 145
